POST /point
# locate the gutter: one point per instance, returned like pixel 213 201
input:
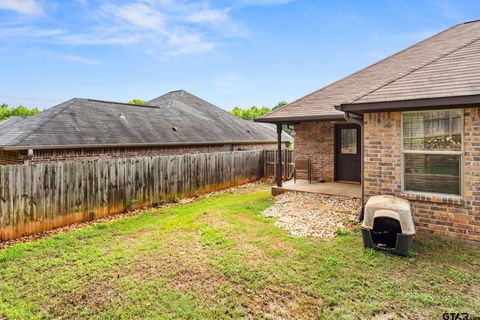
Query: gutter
pixel 411 104
pixel 348 118
pixel 166 144
pixel 298 119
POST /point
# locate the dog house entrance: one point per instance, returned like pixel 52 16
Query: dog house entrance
pixel 385 230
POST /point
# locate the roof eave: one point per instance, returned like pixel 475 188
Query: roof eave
pixel 167 144
pixel 411 104
pixel 299 119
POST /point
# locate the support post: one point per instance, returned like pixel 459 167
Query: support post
pixel 279 158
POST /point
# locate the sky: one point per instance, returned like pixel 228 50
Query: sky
pixel 228 52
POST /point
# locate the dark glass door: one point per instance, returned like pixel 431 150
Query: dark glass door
pixel 347 152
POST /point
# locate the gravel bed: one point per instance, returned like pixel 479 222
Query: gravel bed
pixel 315 215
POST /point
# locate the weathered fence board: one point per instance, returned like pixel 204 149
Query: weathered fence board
pixel 39 197
pixel 270 161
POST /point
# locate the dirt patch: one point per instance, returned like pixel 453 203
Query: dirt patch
pixel 282 303
pixel 182 264
pixel 307 214
pixel 211 220
pixel 475 291
pixel 96 296
pixel 385 316
pixel 256 255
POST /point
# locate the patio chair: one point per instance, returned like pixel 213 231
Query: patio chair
pixel 303 166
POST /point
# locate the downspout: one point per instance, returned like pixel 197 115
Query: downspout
pixel 362 178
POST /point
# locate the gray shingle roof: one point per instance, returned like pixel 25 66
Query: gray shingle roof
pixel 9 121
pixel 443 65
pixel 176 118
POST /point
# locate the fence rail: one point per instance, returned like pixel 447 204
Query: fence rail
pixel 39 197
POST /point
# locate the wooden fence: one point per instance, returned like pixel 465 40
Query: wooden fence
pixel 39 197
pixel 270 163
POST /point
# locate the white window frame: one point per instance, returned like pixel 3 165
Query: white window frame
pixel 461 153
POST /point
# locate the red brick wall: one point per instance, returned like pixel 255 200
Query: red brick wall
pixel 10 157
pixel 55 155
pixel 439 215
pixel 315 140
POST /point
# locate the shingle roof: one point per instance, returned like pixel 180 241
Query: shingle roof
pixel 177 117
pixel 9 121
pixel 442 65
pixel 455 74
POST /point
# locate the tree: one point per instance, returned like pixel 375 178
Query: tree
pixel 137 101
pixel 254 112
pixel 20 111
pixel 280 104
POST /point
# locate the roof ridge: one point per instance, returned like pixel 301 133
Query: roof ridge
pixel 24 136
pixel 365 68
pixel 217 108
pixel 471 21
pixel 121 103
pixel 415 69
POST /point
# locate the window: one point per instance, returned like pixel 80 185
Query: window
pixel 432 149
pixel 348 140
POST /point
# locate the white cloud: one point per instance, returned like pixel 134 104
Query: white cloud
pixel 102 39
pixel 160 27
pixel 185 42
pixel 25 7
pixel 78 59
pixel 31 32
pixel 262 2
pixel 137 14
pixel 208 16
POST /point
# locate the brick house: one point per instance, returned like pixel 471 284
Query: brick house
pixel 175 123
pixel 408 125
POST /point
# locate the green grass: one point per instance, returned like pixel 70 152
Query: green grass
pixel 220 258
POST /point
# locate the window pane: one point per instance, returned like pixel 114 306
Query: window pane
pixel 348 141
pixel 433 130
pixel 432 173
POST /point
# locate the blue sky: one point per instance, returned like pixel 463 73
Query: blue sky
pixel 229 52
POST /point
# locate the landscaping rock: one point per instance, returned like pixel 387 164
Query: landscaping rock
pixel 315 215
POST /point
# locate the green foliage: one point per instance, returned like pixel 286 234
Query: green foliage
pixel 20 111
pixel 131 204
pixel 158 203
pixel 255 112
pixel 137 101
pixel 251 113
pixel 280 104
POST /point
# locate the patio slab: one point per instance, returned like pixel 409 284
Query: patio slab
pixel 343 189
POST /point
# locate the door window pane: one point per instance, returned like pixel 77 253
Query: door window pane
pixel 348 141
pixel 437 173
pixel 433 130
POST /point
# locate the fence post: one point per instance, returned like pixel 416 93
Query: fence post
pixel 279 164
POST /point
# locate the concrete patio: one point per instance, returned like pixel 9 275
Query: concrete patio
pixel 343 189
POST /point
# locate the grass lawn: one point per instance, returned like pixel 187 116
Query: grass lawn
pixel 220 258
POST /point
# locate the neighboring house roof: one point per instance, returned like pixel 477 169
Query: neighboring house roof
pixel 444 65
pixel 9 122
pixel 176 118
